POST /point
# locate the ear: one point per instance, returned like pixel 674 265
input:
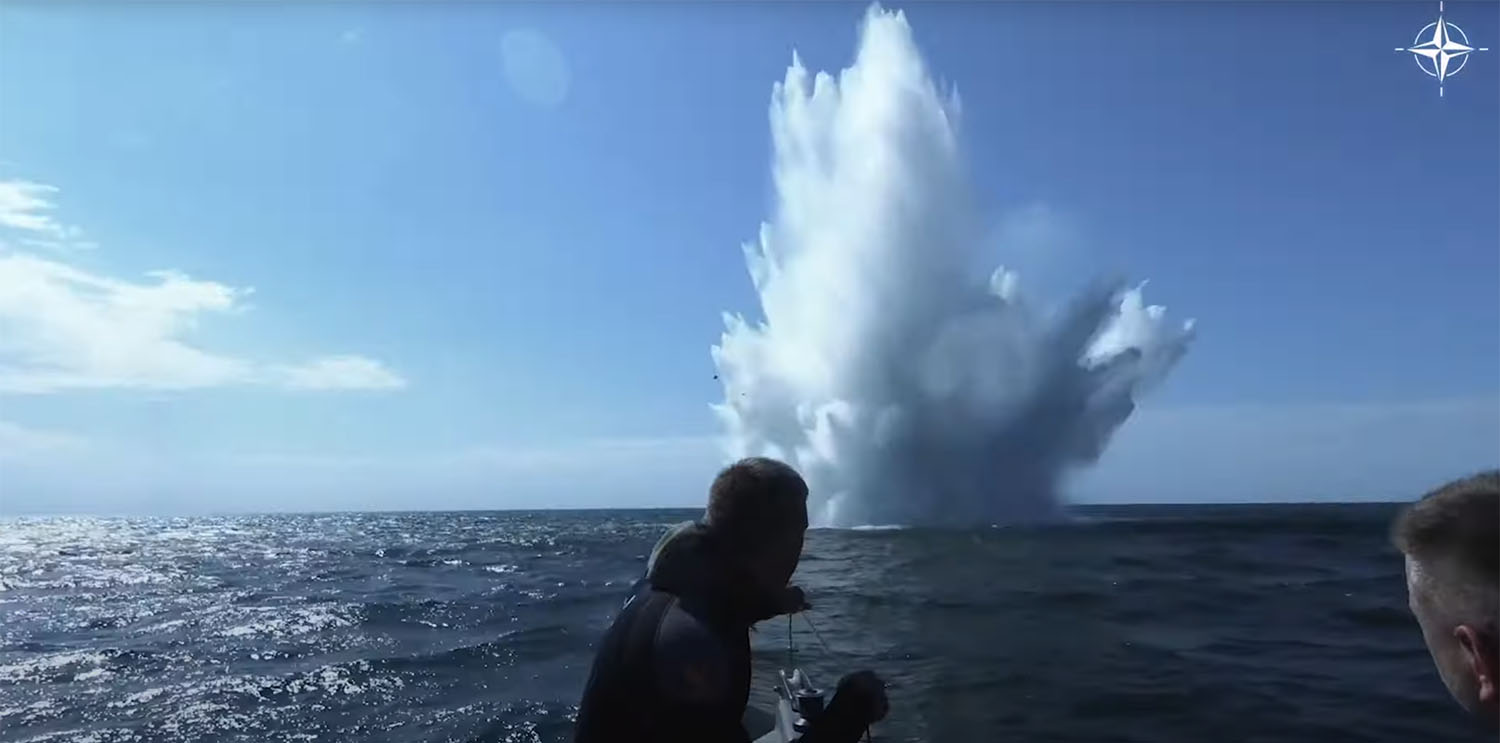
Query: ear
pixel 1482 655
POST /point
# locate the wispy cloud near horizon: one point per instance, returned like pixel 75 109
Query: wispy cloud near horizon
pixel 66 328
pixel 671 471
pixel 1295 452
pixel 1300 452
pixel 20 443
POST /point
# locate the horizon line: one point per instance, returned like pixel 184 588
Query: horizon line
pixel 579 509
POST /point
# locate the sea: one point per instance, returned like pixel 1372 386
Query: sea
pixel 1156 624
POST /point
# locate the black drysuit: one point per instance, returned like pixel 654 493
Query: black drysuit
pixel 675 665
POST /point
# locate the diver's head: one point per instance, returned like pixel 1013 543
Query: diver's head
pixel 757 507
pixel 1451 539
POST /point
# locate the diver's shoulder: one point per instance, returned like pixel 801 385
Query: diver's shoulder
pixel 691 662
pixel 684 629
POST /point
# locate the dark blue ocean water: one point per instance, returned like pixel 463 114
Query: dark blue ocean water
pixel 1266 623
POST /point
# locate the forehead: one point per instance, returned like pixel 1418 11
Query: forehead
pixel 1417 576
pixel 1413 573
pixel 1419 583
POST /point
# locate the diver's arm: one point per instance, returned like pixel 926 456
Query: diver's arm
pixel 702 724
pixel 694 675
pixel 839 723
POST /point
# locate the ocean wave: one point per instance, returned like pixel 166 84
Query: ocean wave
pixel 166 627
pixel 248 645
pixel 139 698
pixel 97 577
pixel 201 718
pixel 288 621
pixel 508 649
pixel 1377 617
pixel 84 735
pixel 31 714
pixel 1315 521
pixel 55 667
pixel 195 704
pixel 354 678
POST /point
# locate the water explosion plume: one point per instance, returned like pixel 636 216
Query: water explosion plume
pixel 906 390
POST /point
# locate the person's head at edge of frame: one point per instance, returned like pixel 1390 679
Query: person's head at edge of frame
pixel 1451 540
pixel 757 508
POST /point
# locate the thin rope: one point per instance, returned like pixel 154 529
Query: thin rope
pixel 826 649
pixel 817 634
pixel 791 650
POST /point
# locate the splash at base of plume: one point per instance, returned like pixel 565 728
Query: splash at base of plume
pixel 905 391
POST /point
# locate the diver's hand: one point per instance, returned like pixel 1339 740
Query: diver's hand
pixel 793 600
pixel 866 692
pixel 858 703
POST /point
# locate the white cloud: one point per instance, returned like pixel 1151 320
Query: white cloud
pixel 28 207
pixel 62 327
pixel 338 373
pixel 66 328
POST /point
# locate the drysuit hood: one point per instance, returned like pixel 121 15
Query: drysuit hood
pixel 693 564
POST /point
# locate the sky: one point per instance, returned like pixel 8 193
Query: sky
pixel 341 256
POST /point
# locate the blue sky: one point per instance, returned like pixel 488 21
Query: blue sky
pixel 487 269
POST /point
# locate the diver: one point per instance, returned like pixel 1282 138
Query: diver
pixel 675 664
pixel 1451 540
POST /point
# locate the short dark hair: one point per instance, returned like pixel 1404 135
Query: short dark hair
pixel 1454 532
pixel 754 498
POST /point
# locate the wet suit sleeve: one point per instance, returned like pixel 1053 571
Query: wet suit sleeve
pixel 695 678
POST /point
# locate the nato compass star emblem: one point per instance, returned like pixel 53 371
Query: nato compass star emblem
pixel 1441 49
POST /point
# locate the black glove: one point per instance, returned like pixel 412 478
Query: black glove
pixel 864 692
pixel 858 702
pixel 794 600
